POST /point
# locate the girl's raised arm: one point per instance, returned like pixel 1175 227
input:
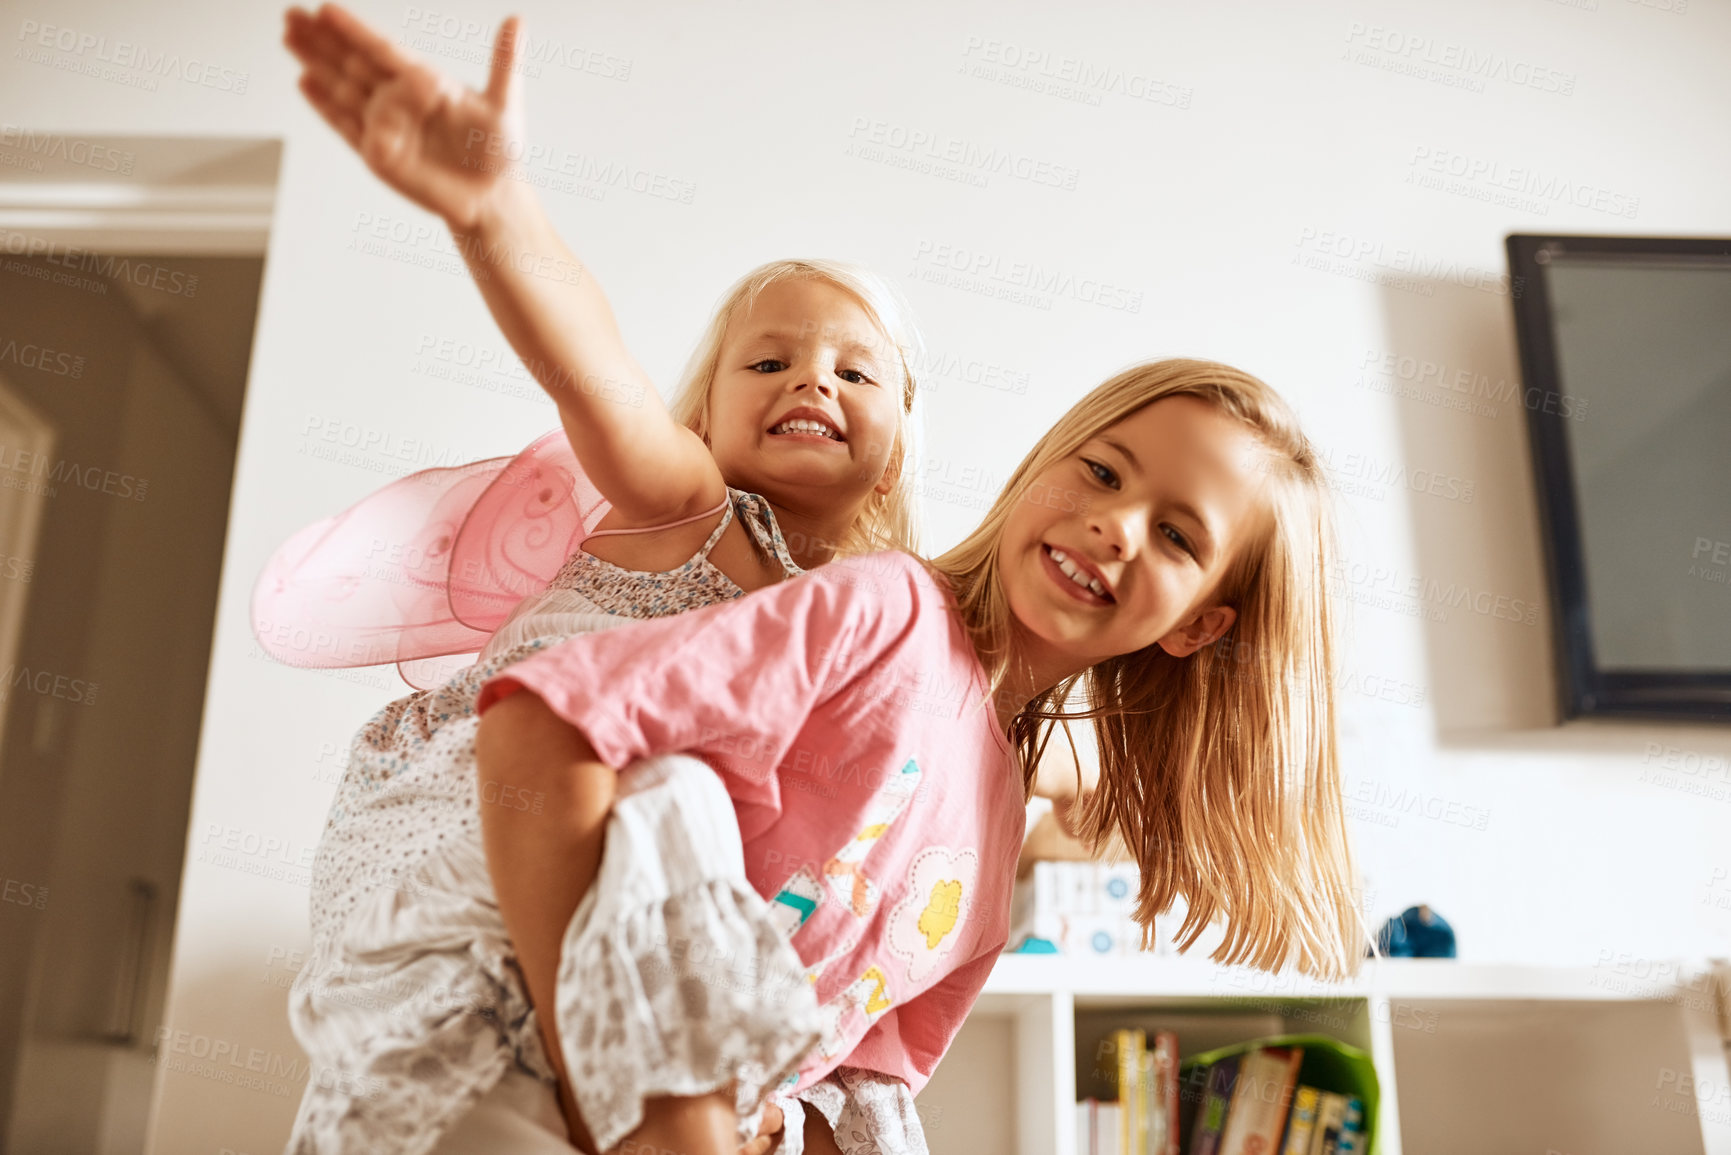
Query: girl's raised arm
pixel 453 151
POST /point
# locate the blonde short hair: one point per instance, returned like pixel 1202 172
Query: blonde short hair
pixel 889 520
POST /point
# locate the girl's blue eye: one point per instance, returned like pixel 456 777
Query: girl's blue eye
pixel 1177 539
pixel 763 366
pixel 853 376
pixel 1102 473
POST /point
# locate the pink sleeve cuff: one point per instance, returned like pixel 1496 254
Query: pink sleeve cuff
pixel 494 689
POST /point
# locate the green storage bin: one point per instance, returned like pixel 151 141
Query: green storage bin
pixel 1329 1065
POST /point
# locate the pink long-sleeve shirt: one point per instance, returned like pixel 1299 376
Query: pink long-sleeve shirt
pixel 879 804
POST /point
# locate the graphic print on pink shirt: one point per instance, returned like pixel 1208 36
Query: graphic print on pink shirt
pixel 879 805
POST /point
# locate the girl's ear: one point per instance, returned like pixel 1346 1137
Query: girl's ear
pixel 1204 629
pixel 892 471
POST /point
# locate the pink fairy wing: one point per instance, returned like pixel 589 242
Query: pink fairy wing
pixel 533 515
pixel 422 571
pixel 370 585
pixel 531 518
pixel 427 673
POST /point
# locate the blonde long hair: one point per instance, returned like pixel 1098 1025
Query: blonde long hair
pixel 1220 771
pixel 889 520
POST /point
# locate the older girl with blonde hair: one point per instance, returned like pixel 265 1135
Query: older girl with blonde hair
pixel 1176 504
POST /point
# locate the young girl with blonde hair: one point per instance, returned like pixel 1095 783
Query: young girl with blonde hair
pixel 795 414
pixel 801 391
pixel 1175 503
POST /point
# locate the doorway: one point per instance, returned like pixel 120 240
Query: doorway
pixel 130 271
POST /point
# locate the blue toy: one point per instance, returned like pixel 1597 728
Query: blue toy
pixel 1419 932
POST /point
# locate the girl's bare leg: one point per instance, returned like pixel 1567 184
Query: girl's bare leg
pixel 819 1139
pixel 705 1125
pixel 543 857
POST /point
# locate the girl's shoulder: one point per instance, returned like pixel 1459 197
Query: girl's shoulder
pixel 891 587
pixel 889 566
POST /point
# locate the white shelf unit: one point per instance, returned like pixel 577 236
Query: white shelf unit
pixel 1470 1057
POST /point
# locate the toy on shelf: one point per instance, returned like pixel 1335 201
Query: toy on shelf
pixel 1419 932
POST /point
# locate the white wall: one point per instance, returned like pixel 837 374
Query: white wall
pixel 1268 139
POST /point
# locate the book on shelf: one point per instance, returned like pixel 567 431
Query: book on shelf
pixel 1261 1101
pixel 1162 1089
pixel 1339 1125
pixel 1097 1128
pixel 1142 1119
pixel 1244 1100
pixel 1211 1112
pixel 1131 1045
pixel 1352 1130
pixel 1302 1122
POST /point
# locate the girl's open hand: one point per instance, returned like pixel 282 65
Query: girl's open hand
pixel 443 145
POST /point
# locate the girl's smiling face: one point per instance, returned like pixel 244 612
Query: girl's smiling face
pixel 807 397
pixel 1123 543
